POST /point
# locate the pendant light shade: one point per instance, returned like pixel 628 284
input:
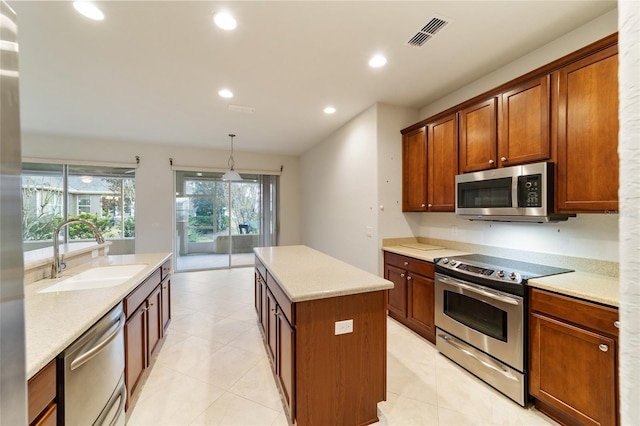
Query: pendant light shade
pixel 231 174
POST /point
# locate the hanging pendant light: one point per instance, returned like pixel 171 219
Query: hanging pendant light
pixel 231 175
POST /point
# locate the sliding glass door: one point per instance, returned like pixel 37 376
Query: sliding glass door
pixel 218 223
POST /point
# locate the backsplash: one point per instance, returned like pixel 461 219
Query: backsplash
pixel 593 266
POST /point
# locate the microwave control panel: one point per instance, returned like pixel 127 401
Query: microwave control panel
pixel 530 191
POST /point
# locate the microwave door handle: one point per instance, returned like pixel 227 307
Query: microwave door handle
pixel 461 284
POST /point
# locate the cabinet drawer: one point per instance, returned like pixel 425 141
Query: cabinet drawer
pixel 137 296
pixel 262 270
pixel 42 390
pixel 165 270
pixel 286 306
pixel 587 314
pixel 410 264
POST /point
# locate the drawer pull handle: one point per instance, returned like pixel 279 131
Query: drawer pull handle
pixel 616 324
pixel 603 348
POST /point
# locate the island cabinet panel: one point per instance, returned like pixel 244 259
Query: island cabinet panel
pixel 411 300
pixel 573 359
pixel 587 134
pixel 326 376
pixel 148 311
pixel 42 396
pixel 340 377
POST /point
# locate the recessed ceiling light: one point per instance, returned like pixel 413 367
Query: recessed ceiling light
pixel 226 93
pixel 225 21
pixel 377 61
pixel 329 110
pixel 89 10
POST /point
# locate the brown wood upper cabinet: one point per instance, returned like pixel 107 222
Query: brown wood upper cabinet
pixel 587 133
pixel 478 136
pixel 414 171
pixel 442 160
pixel 523 123
pixel 429 166
pixel 507 129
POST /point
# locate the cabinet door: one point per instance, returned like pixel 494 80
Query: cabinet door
pixel 524 123
pixel 166 304
pixel 397 296
pixel 442 142
pixel 154 320
pixel 421 305
pixel 257 295
pixel 478 136
pixel 286 357
pixel 135 349
pixel 587 134
pixel 271 327
pixel 414 171
pixel 573 370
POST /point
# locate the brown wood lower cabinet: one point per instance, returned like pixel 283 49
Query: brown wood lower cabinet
pixel 324 378
pixel 148 311
pixel 411 301
pixel 42 399
pixel 573 359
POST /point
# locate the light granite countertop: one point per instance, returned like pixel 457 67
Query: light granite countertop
pixel 307 274
pixel 423 251
pixel 55 320
pixel 587 286
pixel 583 285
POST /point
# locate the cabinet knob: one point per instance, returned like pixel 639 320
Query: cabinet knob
pixel 503 159
pixel 616 324
pixel 422 205
pixel 430 205
pixel 401 275
pixel 406 263
pixel 491 161
pixel 603 347
pixel 409 278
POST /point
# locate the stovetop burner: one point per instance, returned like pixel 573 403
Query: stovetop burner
pixel 496 272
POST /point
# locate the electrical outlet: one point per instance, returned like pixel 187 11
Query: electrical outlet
pixel 344 327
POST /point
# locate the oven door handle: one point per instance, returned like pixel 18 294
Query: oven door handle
pixel 498 297
pixel 487 363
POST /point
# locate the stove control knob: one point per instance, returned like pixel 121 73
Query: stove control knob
pixel 453 262
pixel 501 273
pixel 512 276
pixel 445 260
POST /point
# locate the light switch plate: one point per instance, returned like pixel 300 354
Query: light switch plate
pixel 344 327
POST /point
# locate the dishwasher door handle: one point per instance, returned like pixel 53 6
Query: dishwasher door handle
pixel 95 350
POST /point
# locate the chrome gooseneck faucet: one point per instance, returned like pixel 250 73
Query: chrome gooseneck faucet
pixel 58 265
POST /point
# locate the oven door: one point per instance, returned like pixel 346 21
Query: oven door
pixel 490 320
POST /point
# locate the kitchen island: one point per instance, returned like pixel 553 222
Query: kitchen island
pixel 324 326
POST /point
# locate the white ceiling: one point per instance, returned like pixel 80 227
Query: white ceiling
pixel 150 72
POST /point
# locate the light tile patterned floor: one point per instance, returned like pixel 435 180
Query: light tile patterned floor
pixel 213 369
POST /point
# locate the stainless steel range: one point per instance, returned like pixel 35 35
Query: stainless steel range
pixel 480 316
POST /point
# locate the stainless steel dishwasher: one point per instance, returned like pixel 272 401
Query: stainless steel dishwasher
pixel 94 391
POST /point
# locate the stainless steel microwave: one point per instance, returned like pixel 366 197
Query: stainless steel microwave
pixel 518 193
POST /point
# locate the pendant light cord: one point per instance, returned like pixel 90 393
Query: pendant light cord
pixel 231 163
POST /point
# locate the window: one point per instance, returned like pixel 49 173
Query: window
pixel 84 204
pixel 52 193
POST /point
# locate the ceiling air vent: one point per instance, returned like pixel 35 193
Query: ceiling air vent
pixel 428 31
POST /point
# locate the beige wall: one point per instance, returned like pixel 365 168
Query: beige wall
pixel 155 181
